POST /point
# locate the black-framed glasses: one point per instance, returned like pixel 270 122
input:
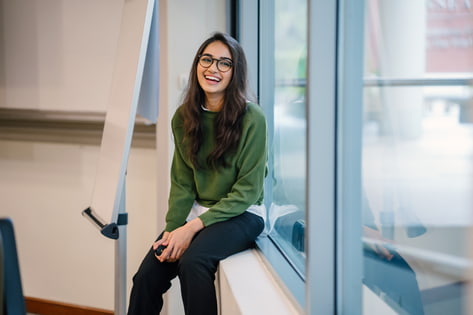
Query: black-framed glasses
pixel 223 65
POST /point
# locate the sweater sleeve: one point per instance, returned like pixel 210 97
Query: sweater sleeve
pixel 182 193
pixel 251 171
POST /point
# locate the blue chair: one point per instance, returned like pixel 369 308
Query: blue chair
pixel 12 299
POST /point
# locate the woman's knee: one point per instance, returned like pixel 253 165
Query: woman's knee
pixel 197 265
pixel 154 275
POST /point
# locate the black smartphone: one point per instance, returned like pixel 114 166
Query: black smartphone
pixel 159 250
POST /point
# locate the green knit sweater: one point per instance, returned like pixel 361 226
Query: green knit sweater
pixel 227 191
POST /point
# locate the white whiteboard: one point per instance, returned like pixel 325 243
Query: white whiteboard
pixel 123 103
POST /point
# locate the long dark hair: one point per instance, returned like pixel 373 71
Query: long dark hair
pixel 228 121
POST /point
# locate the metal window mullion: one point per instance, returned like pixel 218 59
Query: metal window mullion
pixel 321 142
pixel 256 22
pixel 247 26
pixel 266 81
pixel 348 182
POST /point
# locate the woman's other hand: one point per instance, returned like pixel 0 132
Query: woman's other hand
pixel 178 241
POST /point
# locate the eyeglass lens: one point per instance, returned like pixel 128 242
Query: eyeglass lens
pixel 222 64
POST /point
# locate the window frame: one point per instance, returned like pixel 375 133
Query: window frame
pixel 335 30
pixel 321 157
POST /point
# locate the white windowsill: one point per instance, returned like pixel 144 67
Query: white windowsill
pixel 247 286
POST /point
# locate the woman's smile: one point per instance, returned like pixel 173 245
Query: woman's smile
pixel 211 79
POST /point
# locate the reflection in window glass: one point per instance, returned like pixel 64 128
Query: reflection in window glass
pixel 287 213
pixel 417 156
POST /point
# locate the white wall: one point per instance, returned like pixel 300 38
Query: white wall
pixel 45 186
pixel 57 54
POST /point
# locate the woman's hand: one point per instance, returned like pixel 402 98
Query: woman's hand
pixel 178 241
pixel 160 241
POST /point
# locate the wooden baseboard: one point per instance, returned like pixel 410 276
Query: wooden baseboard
pixel 47 307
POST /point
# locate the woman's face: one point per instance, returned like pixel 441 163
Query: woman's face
pixel 212 80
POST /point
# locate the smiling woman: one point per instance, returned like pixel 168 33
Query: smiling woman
pixel 216 198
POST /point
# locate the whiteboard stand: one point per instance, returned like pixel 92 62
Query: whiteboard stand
pixel 134 89
pixel 120 257
pixel 116 231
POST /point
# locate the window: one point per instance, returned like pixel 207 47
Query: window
pixel 288 202
pixel 385 164
pixel 278 51
pixel 417 151
pixel 300 193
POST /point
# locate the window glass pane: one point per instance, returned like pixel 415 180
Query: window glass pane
pixel 417 156
pixel 287 211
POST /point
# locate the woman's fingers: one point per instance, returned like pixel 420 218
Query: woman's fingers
pixel 163 240
pixel 164 255
pixel 176 243
pixel 170 254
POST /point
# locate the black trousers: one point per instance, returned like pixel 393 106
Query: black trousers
pixel 195 269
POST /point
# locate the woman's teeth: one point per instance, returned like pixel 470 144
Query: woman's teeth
pixel 212 78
